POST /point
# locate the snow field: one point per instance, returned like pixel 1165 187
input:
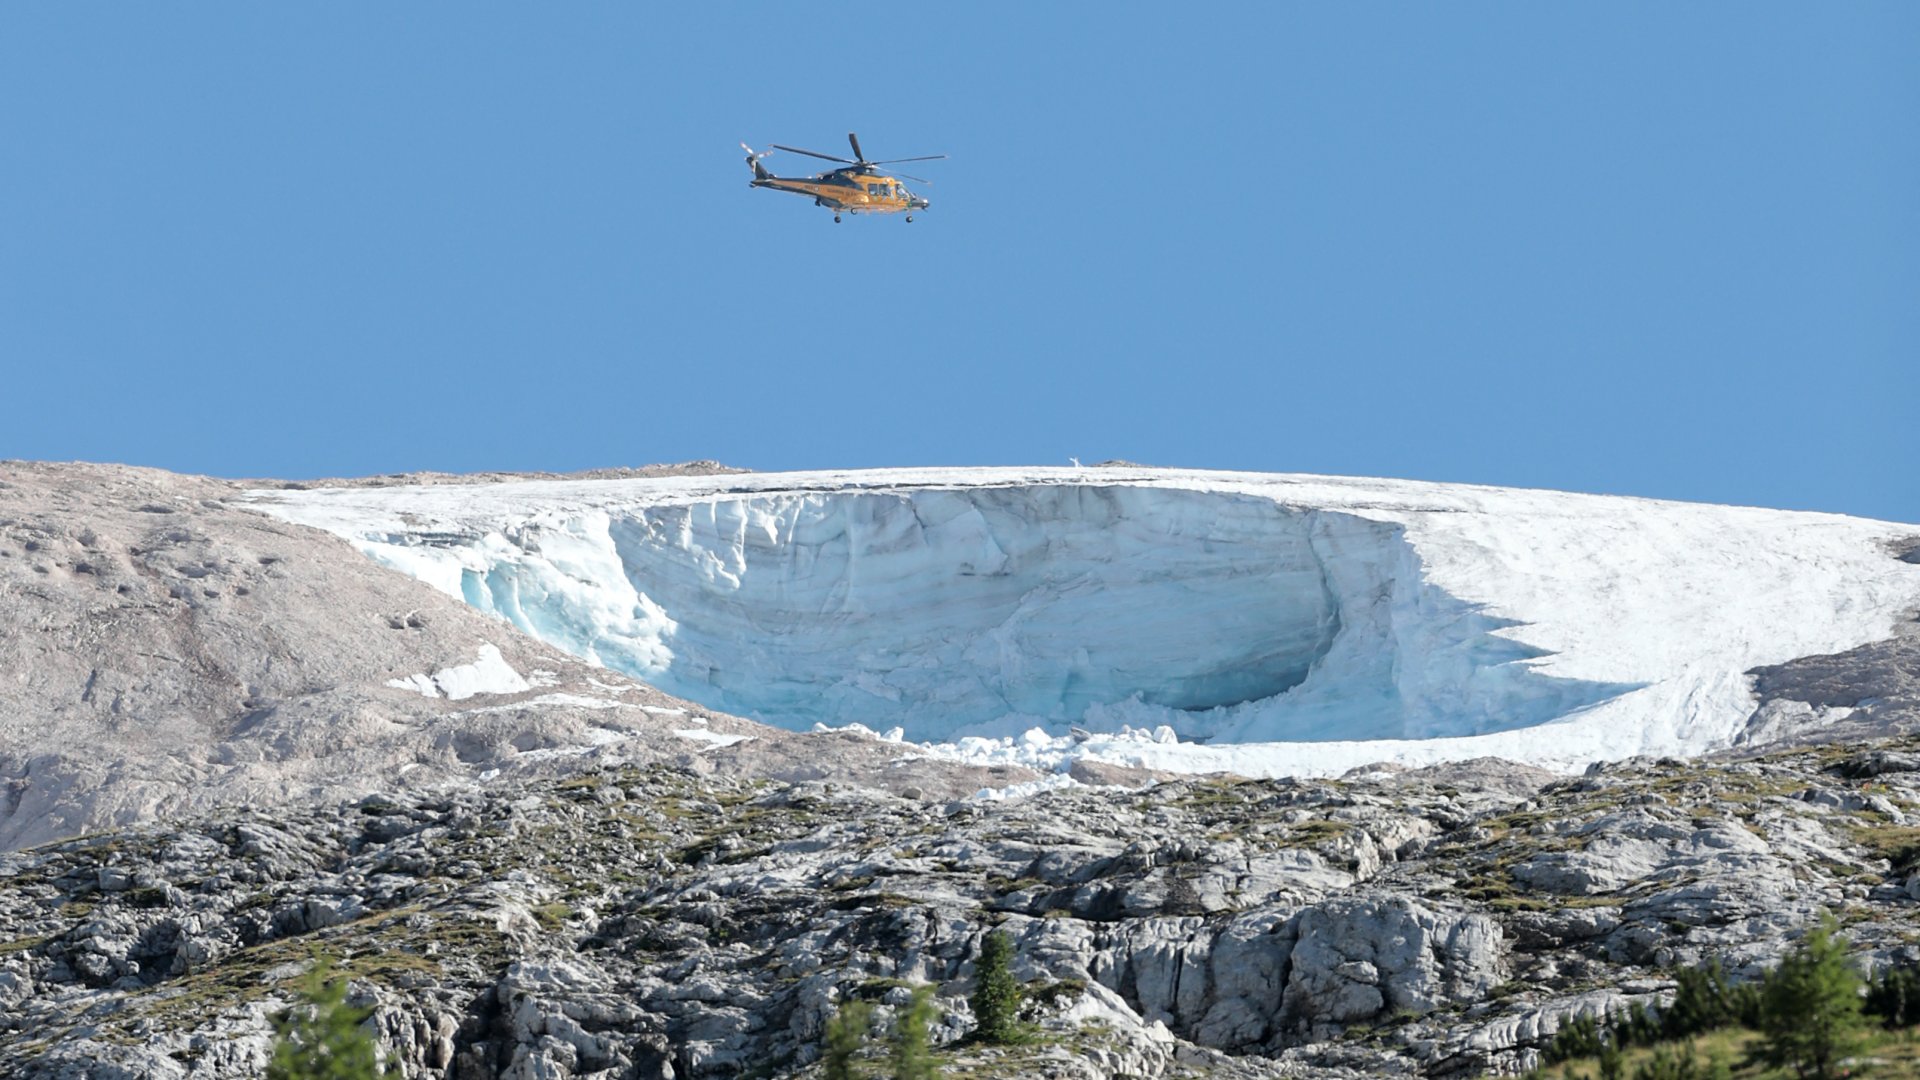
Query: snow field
pixel 1270 625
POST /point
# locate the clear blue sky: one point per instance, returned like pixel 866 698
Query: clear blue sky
pixel 1666 250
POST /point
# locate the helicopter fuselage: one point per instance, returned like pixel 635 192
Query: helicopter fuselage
pixel 857 188
pixel 851 191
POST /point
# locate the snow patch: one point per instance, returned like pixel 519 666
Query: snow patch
pixel 419 684
pixel 491 674
pixel 714 738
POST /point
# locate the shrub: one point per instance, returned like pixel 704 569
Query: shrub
pixel 1706 1000
pixel 1577 1038
pixel 846 1033
pixel 1893 997
pixel 320 1038
pixel 1613 1064
pixel 1635 1027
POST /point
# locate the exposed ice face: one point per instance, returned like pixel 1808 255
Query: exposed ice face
pixel 944 610
pixel 990 610
pixel 1299 625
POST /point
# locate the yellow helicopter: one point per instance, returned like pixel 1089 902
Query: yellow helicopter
pixel 859 188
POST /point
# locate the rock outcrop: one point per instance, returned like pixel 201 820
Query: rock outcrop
pixel 641 921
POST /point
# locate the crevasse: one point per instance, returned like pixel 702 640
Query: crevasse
pixel 990 610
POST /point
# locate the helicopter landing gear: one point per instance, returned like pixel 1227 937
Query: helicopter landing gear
pixel 909 219
pixel 836 219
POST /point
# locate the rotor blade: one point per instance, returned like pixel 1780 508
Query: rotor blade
pixel 915 179
pixel 855 140
pixel 810 153
pixel 929 157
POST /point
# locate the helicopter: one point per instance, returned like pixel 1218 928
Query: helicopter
pixel 858 188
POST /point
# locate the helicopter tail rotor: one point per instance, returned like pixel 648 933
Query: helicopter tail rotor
pixel 753 161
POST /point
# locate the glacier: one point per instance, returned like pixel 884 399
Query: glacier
pixel 1263 623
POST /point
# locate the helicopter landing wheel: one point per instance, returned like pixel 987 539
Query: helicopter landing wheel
pixel 909 219
pixel 836 219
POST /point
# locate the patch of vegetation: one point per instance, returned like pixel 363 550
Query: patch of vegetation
pixel 1806 1019
pixel 153 896
pixel 1213 793
pixel 386 947
pixel 25 944
pixel 856 901
pixel 846 1036
pixel 1520 903
pixel 711 848
pixel 1049 995
pixel 1898 844
pixel 1510 988
pixel 553 916
pixel 321 1038
pixel 1893 997
pixel 1317 830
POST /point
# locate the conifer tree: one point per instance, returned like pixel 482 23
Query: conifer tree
pixel 996 994
pixel 909 1054
pixel 846 1033
pixel 1810 1011
pixel 320 1038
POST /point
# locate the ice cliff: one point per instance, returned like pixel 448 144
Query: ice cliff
pixel 1288 624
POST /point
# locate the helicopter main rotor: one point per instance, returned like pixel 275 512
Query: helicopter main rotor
pixel 859 160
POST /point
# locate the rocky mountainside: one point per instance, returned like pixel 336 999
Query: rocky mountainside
pixel 643 922
pixel 166 649
pixel 230 743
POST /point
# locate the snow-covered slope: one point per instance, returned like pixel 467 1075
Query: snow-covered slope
pixel 1275 624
